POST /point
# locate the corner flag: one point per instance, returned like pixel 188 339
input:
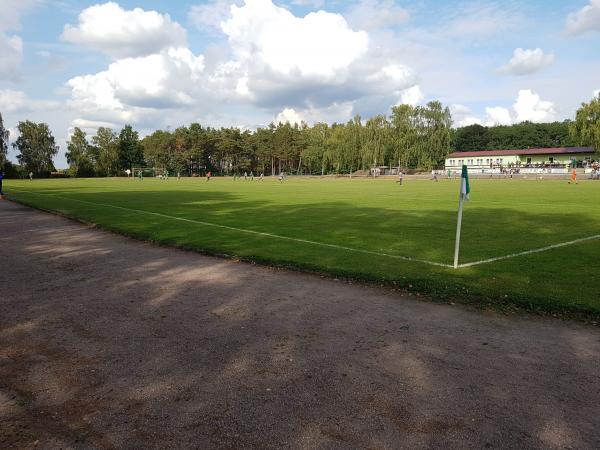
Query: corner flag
pixel 464 195
pixel 464 183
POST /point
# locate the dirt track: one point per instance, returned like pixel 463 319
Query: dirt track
pixel 106 342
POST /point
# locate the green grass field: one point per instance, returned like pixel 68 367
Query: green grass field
pixel 363 228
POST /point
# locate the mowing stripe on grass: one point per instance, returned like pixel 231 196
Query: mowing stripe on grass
pixel 243 230
pixel 529 252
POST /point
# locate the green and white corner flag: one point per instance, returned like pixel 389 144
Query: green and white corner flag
pixel 464 183
pixel 465 189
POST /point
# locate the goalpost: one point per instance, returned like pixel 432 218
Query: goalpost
pixel 146 171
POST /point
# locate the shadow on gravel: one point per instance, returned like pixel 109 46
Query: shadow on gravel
pixel 111 343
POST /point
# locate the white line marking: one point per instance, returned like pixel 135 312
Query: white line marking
pixel 528 252
pixel 243 230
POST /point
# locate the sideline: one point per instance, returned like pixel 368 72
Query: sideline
pixel 242 230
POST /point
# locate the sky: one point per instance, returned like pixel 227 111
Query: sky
pixel 245 63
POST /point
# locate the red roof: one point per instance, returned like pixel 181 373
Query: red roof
pixel 525 151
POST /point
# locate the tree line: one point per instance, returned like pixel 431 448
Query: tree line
pixel 522 135
pixel 412 137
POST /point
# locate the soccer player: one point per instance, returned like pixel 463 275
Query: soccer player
pixel 140 175
pixel 251 176
pixel 400 178
pixel 208 175
pixel 1 177
pixel 262 176
pixel 30 176
pixel 573 177
pixel 245 176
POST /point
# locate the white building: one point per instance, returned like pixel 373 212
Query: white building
pixel 556 159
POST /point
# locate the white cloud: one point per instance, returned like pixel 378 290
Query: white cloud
pixel 315 66
pixel 527 107
pixel 12 10
pixel 17 101
pixel 525 62
pixel 289 115
pixel 11 101
pixel 336 112
pixel 133 87
pixel 376 14
pixel 411 96
pixel 310 61
pixel 318 45
pixel 469 120
pixel 120 33
pixel 596 92
pixel 209 16
pixel 11 55
pixel 91 125
pixel 11 45
pixel 497 116
pixel 530 107
pixel 586 19
pixel 312 3
pixel 462 116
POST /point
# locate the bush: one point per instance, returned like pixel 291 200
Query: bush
pixel 12 170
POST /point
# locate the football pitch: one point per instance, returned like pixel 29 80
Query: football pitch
pixel 527 243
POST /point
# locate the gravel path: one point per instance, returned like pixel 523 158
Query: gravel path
pixel 107 342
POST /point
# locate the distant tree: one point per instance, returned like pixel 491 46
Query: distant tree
pixel 159 149
pixel 435 132
pixel 229 151
pixel 106 150
pixel 130 150
pixel 12 170
pixel 265 148
pixel 201 147
pixel 586 127
pixel 36 146
pixel 4 135
pixel 80 154
pixel 471 138
pixel 521 135
pixel 316 145
pixel 404 134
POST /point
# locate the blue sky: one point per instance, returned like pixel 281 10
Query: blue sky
pixel 245 63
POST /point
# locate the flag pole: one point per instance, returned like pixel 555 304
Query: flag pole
pixel 463 193
pixel 458 226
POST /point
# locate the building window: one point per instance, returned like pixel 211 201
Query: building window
pixel 470 162
pixel 551 159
